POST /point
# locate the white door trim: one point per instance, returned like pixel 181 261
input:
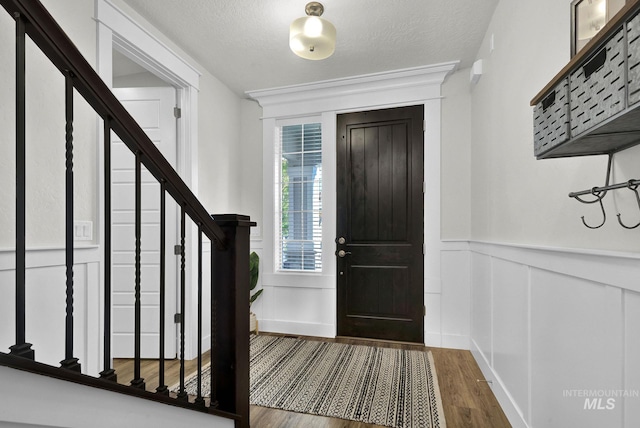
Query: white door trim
pixel 116 29
pixel 413 86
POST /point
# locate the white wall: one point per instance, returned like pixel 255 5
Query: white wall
pixel 455 198
pixel 46 141
pixel 514 197
pixel 219 148
pixel 546 318
pixel 251 163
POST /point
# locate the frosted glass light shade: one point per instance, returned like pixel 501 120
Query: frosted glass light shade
pixel 312 37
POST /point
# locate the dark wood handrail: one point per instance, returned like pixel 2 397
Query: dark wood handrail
pixel 61 51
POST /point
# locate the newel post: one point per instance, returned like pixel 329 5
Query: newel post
pixel 230 317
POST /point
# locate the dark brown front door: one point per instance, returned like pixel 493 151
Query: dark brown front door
pixel 380 221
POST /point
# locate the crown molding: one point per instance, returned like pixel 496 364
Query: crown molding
pixel 397 86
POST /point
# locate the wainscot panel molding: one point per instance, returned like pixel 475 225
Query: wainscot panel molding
pixel 556 333
pixel 46 257
pixel 454 297
pixel 621 269
pixel 45 312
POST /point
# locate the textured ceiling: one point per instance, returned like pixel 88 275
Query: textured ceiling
pixel 245 43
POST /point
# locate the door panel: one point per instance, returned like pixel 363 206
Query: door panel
pixel 380 217
pixel 153 110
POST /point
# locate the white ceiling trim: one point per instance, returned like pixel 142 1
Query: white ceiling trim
pixel 391 87
pixel 149 49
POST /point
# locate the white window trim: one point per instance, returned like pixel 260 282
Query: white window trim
pixel 277 151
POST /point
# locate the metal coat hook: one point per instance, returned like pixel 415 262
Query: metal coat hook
pixel 604 214
pixel 599 193
pixel 632 186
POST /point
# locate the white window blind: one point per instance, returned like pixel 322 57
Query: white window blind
pixel 299 197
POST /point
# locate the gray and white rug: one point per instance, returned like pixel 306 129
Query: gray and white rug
pixel 381 386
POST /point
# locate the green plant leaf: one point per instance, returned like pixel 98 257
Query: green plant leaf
pixel 254 270
pixel 255 296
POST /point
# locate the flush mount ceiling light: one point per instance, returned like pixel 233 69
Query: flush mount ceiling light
pixel 312 37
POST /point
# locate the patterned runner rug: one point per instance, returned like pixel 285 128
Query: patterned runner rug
pixel 382 386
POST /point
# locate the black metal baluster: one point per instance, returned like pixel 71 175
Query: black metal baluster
pixel 69 362
pixel 199 399
pixel 138 381
pixel 214 335
pixel 162 388
pixel 108 373
pixel 182 393
pixel 21 348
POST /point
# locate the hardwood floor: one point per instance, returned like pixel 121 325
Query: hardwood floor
pixel 466 401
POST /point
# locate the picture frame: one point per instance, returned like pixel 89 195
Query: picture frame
pixel 588 17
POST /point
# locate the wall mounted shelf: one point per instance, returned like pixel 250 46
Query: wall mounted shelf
pixel 592 106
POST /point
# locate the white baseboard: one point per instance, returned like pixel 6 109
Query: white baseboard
pixel 433 340
pixel 502 395
pixel 452 341
pixel 300 328
pixel 455 341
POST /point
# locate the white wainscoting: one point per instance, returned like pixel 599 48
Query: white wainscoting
pixel 294 305
pixel 46 305
pixel 542 323
pixel 447 302
pixel 551 325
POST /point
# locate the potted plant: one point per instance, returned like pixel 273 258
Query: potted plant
pixel 254 265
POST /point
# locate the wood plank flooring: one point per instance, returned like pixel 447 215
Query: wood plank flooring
pixel 466 401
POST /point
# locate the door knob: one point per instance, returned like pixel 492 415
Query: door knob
pixel 343 253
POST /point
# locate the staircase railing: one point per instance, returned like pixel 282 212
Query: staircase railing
pixel 229 236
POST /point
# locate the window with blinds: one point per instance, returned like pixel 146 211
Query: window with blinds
pixel 299 197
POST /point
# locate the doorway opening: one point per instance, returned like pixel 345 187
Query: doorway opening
pixel 152 102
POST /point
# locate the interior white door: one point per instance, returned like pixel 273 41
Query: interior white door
pixel 153 110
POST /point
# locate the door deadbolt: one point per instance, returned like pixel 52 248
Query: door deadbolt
pixel 341 240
